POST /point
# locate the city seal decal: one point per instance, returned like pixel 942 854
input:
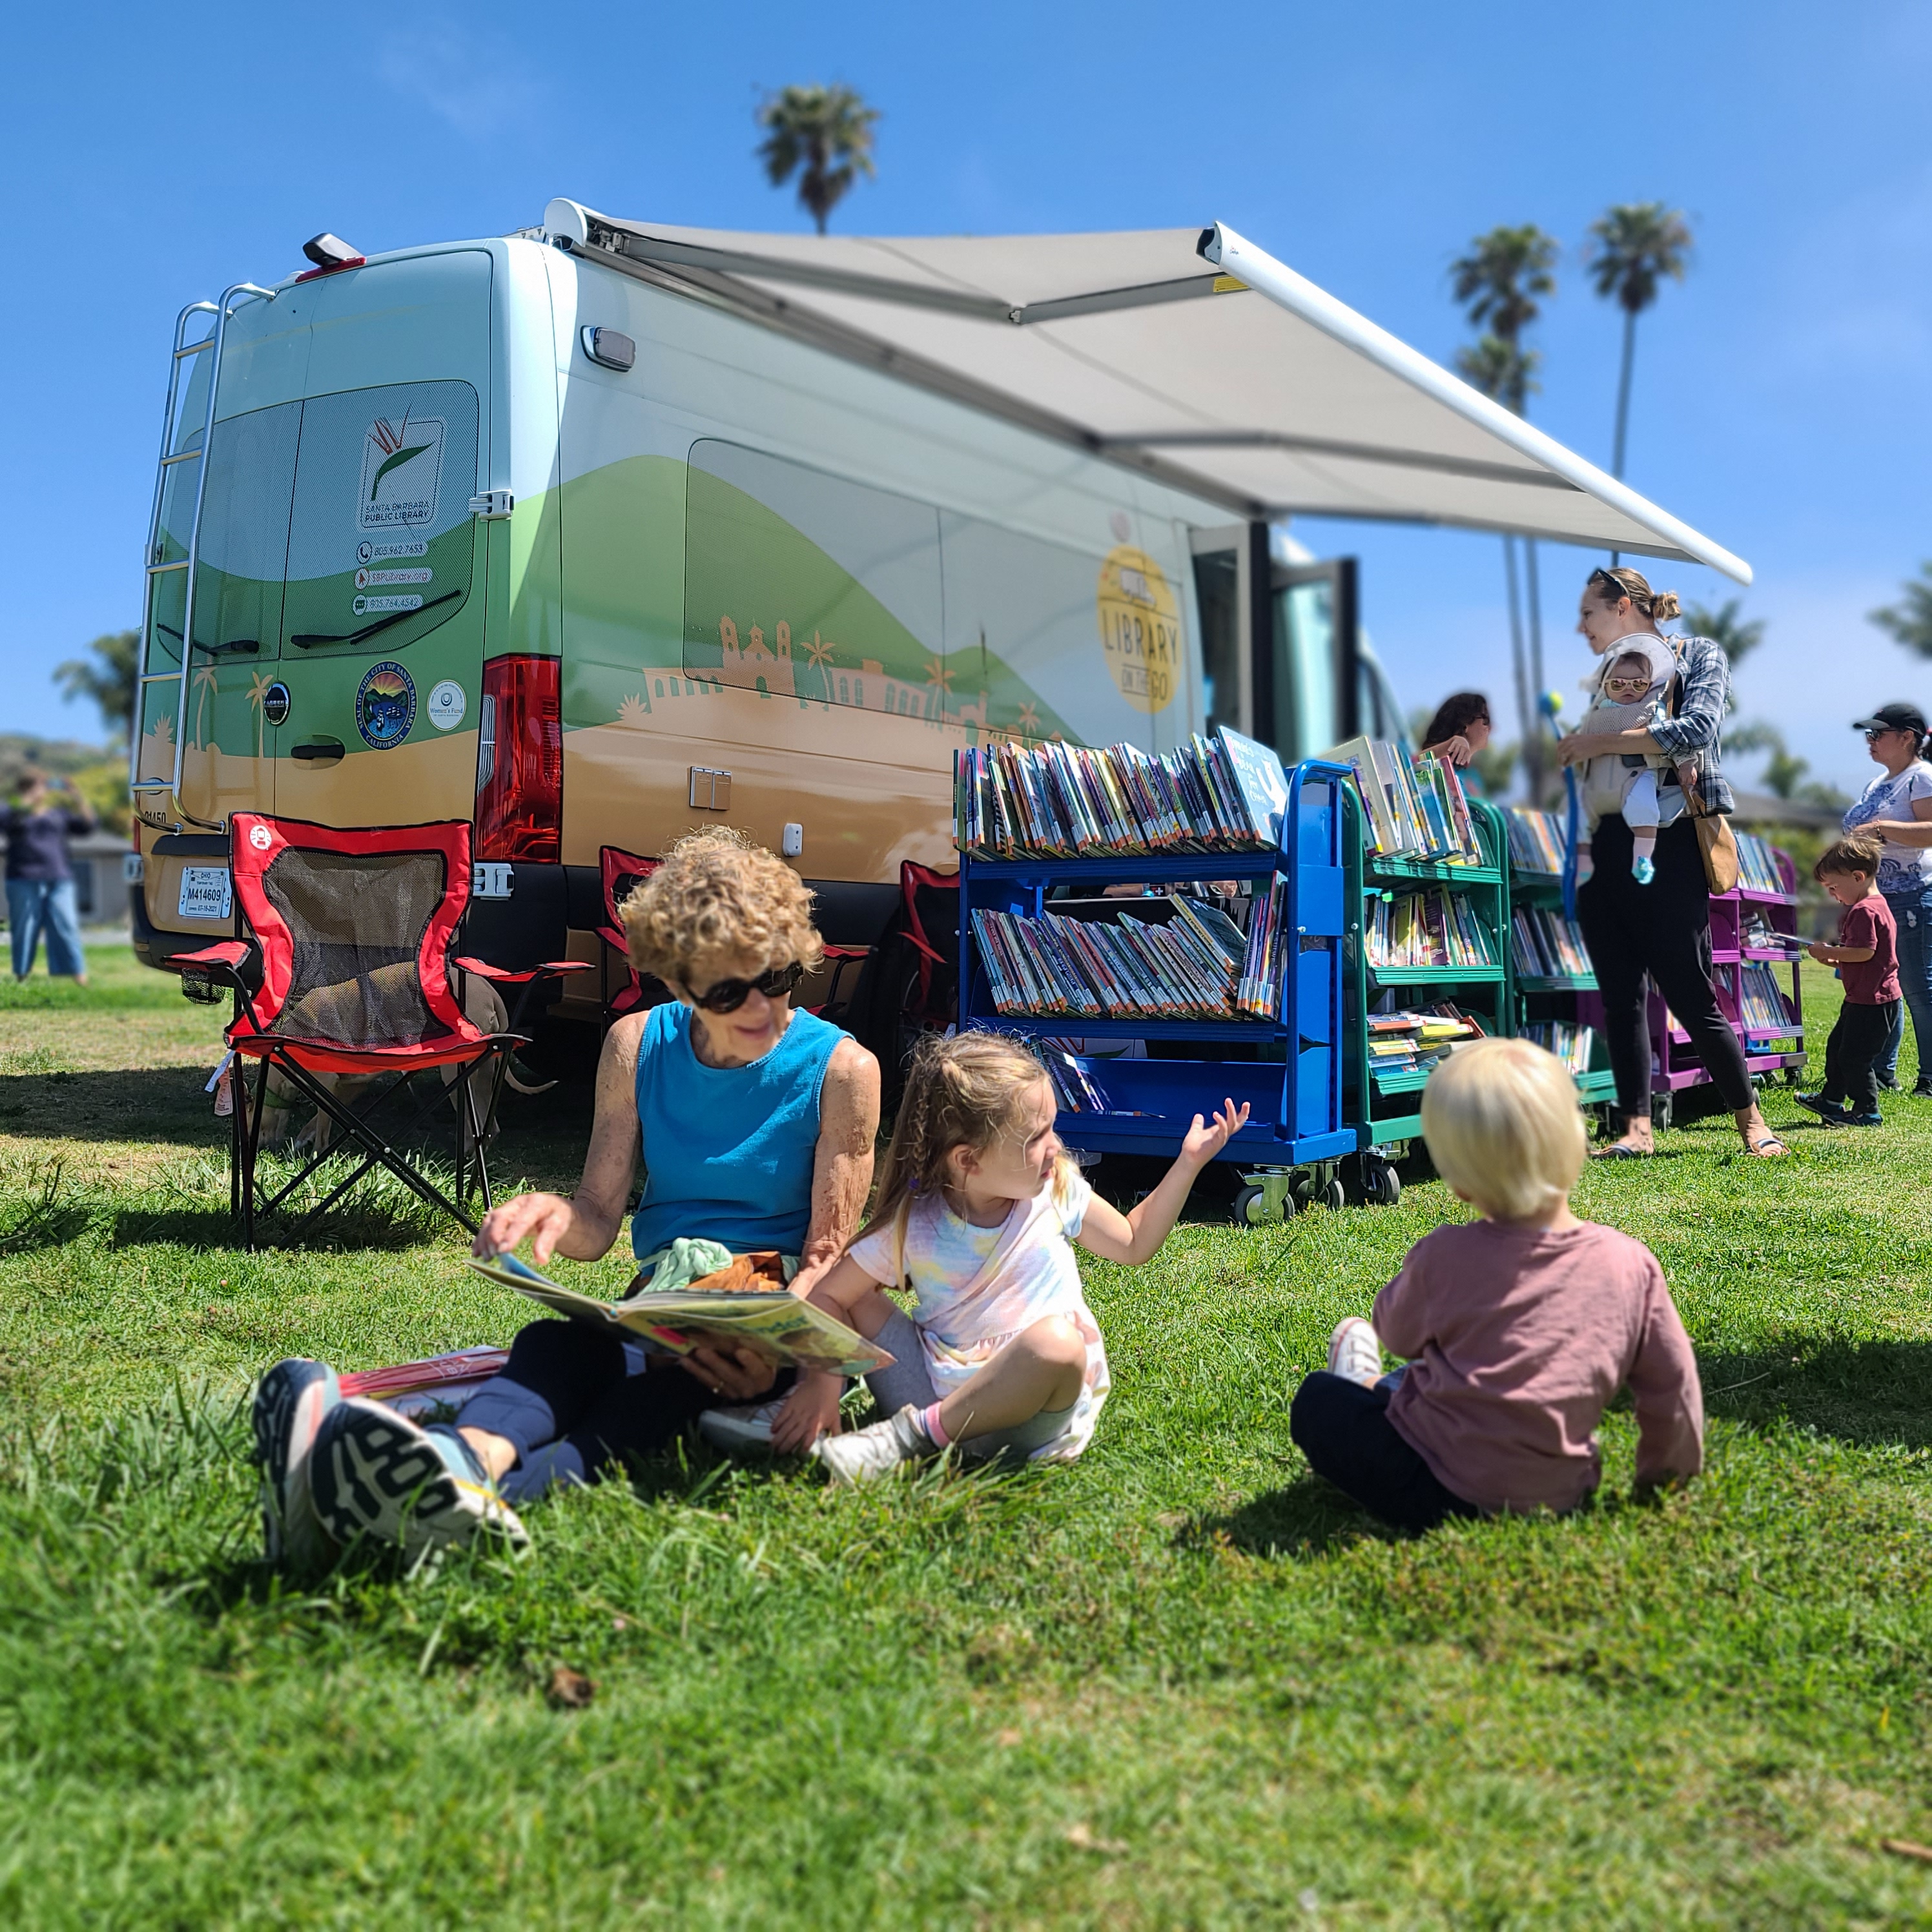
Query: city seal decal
pixel 386 706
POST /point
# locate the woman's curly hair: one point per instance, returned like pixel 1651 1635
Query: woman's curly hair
pixel 715 895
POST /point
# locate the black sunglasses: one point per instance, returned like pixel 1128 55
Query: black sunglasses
pixel 727 996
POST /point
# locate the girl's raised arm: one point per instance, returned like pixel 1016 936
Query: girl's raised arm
pixel 1136 1236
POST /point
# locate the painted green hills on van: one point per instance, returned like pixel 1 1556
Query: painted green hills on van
pixel 764 606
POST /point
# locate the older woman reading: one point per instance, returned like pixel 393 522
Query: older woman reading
pixel 755 1123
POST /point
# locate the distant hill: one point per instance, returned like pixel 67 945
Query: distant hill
pixel 100 771
pixel 64 756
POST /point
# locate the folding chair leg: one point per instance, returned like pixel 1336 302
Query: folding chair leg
pixel 373 1145
pixel 251 1145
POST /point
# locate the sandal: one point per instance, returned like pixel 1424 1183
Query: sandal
pixel 1621 1150
pixel 1763 1149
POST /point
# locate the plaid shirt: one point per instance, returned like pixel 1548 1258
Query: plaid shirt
pixel 1703 697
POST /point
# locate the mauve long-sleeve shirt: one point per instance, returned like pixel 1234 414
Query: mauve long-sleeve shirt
pixel 1517 1339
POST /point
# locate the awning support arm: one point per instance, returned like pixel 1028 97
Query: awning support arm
pixel 1280 284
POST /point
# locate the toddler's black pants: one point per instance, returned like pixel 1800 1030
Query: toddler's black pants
pixel 1859 1036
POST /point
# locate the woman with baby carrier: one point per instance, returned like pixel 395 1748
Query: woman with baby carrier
pixel 1653 758
pixel 755 1124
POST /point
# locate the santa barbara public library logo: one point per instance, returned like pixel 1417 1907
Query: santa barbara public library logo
pixel 402 466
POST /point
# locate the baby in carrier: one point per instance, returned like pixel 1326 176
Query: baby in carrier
pixel 1632 694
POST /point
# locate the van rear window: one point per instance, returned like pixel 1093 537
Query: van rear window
pixel 381 540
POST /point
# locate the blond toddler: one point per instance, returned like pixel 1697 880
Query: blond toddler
pixel 1519 1328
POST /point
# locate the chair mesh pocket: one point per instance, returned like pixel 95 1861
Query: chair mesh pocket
pixel 355 924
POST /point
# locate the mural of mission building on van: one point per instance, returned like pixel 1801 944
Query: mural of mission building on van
pixel 550 532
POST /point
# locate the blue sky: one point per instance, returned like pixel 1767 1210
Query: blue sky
pixel 1782 391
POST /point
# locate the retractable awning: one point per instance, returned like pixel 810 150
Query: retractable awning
pixel 1190 354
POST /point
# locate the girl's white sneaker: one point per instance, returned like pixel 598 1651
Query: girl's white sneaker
pixel 875 1451
pixel 1355 1352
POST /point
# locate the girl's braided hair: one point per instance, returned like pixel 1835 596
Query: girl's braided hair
pixel 964 1090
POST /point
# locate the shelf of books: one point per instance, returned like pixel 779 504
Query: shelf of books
pixel 1119 907
pixel 1753 937
pixel 1753 934
pixel 1552 990
pixel 1427 968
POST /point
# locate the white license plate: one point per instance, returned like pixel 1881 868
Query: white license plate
pixel 204 892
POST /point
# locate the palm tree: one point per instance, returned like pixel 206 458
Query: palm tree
pixel 1501 277
pixel 822 134
pixel 108 679
pixel 1632 247
pixel 1737 638
pixel 1909 620
pixel 1501 280
pixel 1498 368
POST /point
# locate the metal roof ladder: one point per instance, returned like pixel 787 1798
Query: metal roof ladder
pixel 156 560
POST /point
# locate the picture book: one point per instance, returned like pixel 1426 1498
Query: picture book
pixel 772 1320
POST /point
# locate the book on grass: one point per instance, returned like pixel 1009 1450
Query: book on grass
pixel 768 1319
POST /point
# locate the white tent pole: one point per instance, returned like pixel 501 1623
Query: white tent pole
pixel 1234 255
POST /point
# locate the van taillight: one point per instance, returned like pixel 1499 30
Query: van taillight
pixel 520 760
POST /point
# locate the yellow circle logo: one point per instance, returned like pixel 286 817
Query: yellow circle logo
pixel 1140 628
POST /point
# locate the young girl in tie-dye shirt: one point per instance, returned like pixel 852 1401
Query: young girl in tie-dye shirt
pixel 977 1208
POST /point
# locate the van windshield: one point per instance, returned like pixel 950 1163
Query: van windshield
pixel 382 539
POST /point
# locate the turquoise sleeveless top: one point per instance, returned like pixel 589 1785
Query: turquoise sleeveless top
pixel 728 1151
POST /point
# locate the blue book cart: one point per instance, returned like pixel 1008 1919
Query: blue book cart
pixel 1288 1068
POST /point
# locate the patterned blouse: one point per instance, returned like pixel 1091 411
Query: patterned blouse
pixel 1703 697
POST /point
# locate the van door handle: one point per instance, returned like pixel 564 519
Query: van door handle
pixel 315 749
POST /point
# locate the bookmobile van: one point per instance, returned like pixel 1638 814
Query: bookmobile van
pixel 596 532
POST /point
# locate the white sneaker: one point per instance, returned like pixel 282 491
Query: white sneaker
pixel 746 1430
pixel 1355 1352
pixel 875 1451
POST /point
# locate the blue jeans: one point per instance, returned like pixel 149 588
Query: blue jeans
pixel 1912 912
pixel 34 905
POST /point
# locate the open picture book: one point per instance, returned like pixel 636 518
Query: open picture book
pixel 749 1307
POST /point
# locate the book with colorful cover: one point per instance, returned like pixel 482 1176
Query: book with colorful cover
pixel 773 1322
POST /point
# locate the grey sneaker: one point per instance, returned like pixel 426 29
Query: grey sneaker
pixel 1355 1352
pixel 291 1401
pixel 746 1430
pixel 875 1451
pixel 374 1473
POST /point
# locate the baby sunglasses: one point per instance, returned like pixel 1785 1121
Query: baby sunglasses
pixel 727 996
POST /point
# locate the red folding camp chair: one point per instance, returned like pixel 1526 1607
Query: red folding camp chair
pixel 621 872
pixel 343 968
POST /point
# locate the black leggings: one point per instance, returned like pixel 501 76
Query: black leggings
pixel 1664 929
pixel 607 1414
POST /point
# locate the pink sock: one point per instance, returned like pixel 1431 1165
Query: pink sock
pixel 929 1421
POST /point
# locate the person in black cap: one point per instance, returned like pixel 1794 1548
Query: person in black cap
pixel 1898 806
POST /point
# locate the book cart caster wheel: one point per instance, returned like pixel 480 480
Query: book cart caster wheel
pixel 1660 1110
pixel 1333 1197
pixel 1382 1185
pixel 1264 1198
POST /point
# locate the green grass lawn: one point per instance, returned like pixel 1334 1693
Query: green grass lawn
pixel 1182 1683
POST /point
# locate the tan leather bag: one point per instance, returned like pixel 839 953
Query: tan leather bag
pixel 1714 841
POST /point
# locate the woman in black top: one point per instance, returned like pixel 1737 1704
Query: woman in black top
pixel 1662 929
pixel 40 881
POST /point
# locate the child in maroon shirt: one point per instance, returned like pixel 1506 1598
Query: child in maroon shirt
pixel 1867 957
pixel 1519 1328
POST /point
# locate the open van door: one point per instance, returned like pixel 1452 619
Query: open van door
pixel 1280 644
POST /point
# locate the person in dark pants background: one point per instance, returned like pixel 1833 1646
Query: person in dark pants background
pixel 39 878
pixel 1662 930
